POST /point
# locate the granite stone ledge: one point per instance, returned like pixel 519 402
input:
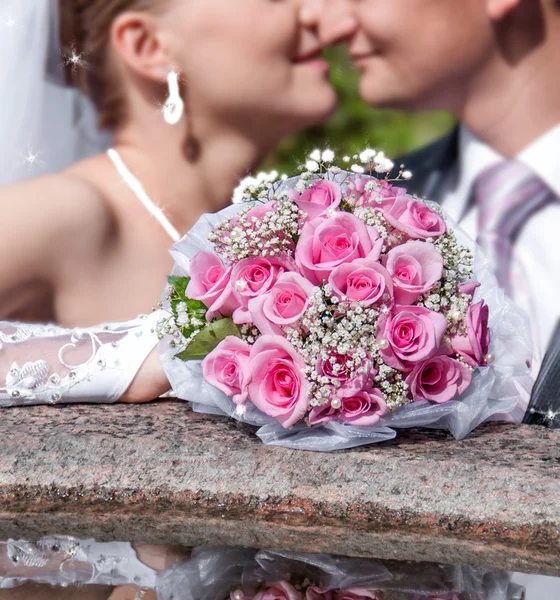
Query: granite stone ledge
pixel 160 474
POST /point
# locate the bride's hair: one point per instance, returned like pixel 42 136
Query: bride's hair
pixel 85 28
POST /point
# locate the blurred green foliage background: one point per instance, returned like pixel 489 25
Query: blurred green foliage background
pixel 356 125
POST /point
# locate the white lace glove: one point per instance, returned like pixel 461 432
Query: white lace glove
pixel 64 561
pixel 46 364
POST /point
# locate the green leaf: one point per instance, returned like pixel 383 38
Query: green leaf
pixel 208 339
pixel 196 306
pixel 179 283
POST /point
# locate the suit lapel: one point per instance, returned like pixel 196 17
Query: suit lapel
pixel 544 407
pixel 430 166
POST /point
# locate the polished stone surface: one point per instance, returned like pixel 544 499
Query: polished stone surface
pixel 160 474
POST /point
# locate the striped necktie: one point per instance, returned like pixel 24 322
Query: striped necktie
pixel 507 195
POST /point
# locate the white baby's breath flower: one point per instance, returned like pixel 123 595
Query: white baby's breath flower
pixel 384 166
pixel 327 156
pixel 315 155
pixel 312 166
pixel 346 159
pixel 407 175
pixel 367 156
pixel 182 320
pixel 300 186
pixel 357 169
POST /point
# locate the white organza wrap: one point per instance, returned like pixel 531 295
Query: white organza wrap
pixel 214 572
pixel 494 392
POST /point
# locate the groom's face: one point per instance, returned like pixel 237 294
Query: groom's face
pixel 413 53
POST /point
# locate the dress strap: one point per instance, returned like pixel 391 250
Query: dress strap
pixel 134 184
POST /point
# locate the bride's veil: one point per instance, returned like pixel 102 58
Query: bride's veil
pixel 45 125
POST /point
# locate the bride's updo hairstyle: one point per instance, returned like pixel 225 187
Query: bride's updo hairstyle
pixel 85 28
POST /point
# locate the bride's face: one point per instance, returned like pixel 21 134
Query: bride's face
pixel 253 61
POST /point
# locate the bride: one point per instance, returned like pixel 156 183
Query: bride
pixel 195 94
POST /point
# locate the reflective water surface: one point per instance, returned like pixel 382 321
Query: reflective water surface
pixel 65 568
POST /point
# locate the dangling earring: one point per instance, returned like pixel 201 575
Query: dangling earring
pixel 174 106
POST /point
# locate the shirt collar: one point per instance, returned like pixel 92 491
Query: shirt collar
pixel 542 157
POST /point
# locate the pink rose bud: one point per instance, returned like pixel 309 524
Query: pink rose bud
pixel 364 280
pixel 473 346
pixel 210 283
pixel 319 198
pixel 384 193
pixel 414 217
pixel 335 368
pixel 257 212
pixel 327 243
pixel 411 334
pixel 415 268
pixel 227 368
pixel 278 385
pixel 439 379
pixel 281 590
pixel 283 305
pixel 469 288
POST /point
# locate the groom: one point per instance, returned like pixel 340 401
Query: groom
pixel 495 65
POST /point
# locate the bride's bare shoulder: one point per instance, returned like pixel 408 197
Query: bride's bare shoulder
pixel 58 203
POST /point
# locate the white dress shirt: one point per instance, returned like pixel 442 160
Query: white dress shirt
pixel 536 252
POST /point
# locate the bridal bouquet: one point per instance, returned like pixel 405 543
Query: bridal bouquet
pixel 330 306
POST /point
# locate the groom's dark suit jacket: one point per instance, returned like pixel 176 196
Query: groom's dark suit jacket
pixel 431 166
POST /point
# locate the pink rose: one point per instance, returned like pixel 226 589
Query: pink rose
pixel 282 305
pixel 439 379
pixel 363 280
pixel 318 199
pixel 473 346
pixel 412 334
pixel 210 283
pixel 278 387
pixel 413 217
pixel 361 409
pixel 327 243
pixel 280 590
pixel 252 277
pixel 227 368
pixel 415 267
